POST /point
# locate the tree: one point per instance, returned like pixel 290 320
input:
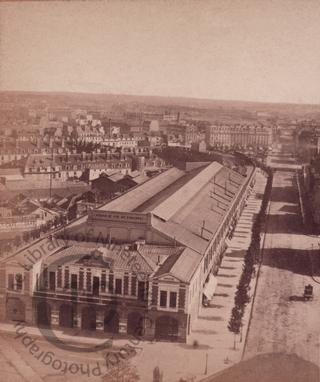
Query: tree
pixel 17 241
pixel 235 323
pixel 253 254
pixel 242 298
pixel 26 236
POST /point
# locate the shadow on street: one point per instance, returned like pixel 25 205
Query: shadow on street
pixel 297 261
pixel 287 223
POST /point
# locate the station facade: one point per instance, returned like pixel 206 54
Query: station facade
pixel 141 264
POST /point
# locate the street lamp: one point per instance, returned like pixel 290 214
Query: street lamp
pixel 206 367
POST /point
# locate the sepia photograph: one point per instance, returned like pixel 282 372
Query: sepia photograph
pixel 160 191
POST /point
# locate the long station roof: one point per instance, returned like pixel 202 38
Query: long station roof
pixel 128 202
pixel 193 215
pixel 187 207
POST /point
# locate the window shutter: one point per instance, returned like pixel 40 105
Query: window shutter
pixel 59 278
pixel 103 282
pixel 89 280
pixel 154 294
pixel 10 281
pixel 182 297
pixel 133 286
pixel 45 277
pixel 126 285
pixel 81 280
pixel 111 282
pixel 66 278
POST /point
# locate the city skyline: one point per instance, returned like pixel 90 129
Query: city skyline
pixel 249 51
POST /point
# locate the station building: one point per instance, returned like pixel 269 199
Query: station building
pixel 146 259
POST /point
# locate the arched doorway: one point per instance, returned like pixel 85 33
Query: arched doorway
pixel 88 318
pixel 135 324
pixel 111 321
pixel 16 309
pixel 166 328
pixel 43 314
pixel 66 316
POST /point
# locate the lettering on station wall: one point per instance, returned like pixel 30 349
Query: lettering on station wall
pixel 125 217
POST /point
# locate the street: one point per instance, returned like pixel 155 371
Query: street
pixel 282 322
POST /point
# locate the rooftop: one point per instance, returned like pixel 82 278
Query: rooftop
pixel 181 265
pixel 11 174
pixel 150 204
pixel 130 201
pixel 186 192
pixel 10 171
pixel 193 220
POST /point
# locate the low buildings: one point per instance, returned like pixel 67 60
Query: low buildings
pixel 10 174
pixel 89 133
pixel 26 215
pixel 144 260
pixel 12 153
pixel 183 135
pixel 107 186
pixel 124 141
pixel 62 167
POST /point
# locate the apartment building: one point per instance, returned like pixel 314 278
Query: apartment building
pixel 65 166
pixel 233 136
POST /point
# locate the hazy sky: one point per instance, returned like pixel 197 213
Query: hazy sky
pixel 247 50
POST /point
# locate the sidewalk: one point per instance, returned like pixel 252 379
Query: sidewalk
pixel 13 367
pixel 66 338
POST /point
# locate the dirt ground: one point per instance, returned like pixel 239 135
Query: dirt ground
pixel 282 322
